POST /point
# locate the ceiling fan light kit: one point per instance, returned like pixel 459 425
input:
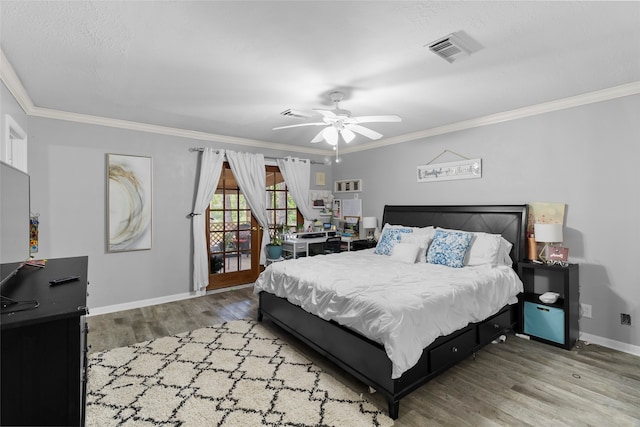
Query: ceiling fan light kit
pixel 339 122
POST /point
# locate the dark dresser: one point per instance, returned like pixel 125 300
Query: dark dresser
pixel 44 349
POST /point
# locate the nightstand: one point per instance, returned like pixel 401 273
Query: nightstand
pixel 557 323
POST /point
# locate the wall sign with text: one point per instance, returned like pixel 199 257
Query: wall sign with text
pixel 465 169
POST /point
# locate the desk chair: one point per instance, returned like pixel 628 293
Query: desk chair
pixel 333 245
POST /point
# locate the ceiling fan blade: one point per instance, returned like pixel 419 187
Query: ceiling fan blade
pixel 371 134
pixel 330 135
pixel 347 135
pixel 326 113
pixel 373 119
pixel 300 124
pixel 319 137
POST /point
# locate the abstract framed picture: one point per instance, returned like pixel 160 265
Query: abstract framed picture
pixel 129 180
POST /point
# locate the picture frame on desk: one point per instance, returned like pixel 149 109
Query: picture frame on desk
pixel 351 223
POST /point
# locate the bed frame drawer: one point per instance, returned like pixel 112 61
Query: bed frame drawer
pixel 452 351
pixel 494 327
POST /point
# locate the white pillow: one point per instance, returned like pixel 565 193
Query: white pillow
pixel 405 252
pixel 392 234
pixel 422 240
pixel 484 249
pixel 503 254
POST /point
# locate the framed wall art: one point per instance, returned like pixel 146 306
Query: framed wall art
pixel 129 180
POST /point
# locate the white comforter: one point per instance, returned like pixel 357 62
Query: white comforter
pixel 405 307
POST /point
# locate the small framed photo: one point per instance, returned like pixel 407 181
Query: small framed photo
pixel 351 222
pixel 558 253
pixel 337 205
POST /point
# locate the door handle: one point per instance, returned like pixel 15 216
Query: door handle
pixel 254 228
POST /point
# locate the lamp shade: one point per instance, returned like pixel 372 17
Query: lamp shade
pixel 369 222
pixel 548 233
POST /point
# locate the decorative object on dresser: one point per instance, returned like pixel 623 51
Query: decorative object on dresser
pixel 237 373
pixel 367 359
pixel 44 350
pixel 554 322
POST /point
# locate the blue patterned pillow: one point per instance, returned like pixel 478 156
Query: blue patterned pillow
pixel 449 248
pixel 390 236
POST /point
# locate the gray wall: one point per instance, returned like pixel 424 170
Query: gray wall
pixel 585 157
pixel 67 167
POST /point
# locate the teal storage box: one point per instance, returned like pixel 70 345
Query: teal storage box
pixel 543 321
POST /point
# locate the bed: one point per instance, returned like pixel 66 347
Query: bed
pixel 359 347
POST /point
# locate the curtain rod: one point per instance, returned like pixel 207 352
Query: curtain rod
pixel 201 149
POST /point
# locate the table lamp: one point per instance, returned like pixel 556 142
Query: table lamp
pixel 547 233
pixel 369 223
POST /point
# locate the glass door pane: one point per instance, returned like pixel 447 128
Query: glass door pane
pixel 233 236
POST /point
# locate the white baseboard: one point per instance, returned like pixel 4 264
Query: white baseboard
pixel 154 301
pixel 609 343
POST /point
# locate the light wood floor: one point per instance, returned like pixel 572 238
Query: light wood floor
pixel 514 383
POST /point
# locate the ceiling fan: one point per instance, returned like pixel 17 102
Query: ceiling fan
pixel 339 122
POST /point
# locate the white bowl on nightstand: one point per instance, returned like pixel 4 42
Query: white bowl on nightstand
pixel 549 297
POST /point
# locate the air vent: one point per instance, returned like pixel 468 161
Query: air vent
pixel 294 113
pixel 450 48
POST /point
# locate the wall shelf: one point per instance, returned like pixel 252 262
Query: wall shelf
pixel 348 186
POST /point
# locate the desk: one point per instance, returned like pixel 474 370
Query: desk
pixel 300 246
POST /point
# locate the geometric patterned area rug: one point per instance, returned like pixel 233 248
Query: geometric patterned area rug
pixel 234 374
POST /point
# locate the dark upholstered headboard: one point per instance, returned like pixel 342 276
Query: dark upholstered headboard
pixel 508 220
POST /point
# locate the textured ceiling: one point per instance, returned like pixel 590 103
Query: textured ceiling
pixel 230 68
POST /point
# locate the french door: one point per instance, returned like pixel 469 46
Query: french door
pixel 233 236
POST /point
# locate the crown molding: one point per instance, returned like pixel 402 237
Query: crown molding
pixel 13 83
pixel 166 130
pixel 531 110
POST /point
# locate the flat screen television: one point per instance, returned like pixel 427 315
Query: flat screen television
pixel 14 220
